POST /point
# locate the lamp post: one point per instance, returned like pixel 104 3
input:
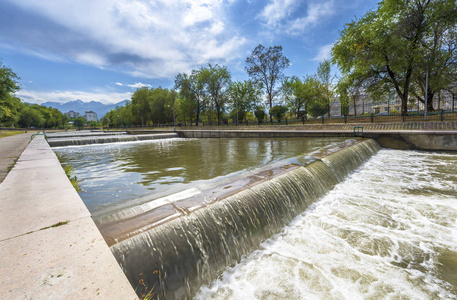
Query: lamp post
pixel 426 94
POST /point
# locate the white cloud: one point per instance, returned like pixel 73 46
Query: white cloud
pixel 316 12
pixel 119 84
pixel 324 53
pixel 277 10
pixel 293 17
pixel 65 96
pixel 153 38
pixel 89 58
pixel 138 85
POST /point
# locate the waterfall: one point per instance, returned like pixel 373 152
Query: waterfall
pixel 177 257
pixel 347 160
pixel 81 140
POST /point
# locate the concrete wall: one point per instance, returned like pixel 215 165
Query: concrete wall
pixel 396 139
pixel 50 248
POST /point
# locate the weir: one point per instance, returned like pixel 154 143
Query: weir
pixel 178 256
pixel 88 139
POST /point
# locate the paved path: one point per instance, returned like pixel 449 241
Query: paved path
pixel 50 248
pixel 11 148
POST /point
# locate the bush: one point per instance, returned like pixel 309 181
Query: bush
pixel 259 114
pixel 278 112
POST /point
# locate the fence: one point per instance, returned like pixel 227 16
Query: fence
pixel 438 116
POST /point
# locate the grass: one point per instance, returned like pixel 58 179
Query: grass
pixel 51 226
pixel 145 295
pixel 5 133
pixel 73 179
pixel 69 172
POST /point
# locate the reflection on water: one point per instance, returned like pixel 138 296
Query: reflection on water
pixel 119 174
pixel 388 232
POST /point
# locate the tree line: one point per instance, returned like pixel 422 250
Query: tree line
pixel 209 95
pixel 404 48
pixel 15 113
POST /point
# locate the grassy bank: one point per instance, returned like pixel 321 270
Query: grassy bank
pixel 5 133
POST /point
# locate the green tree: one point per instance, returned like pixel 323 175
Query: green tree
pixel 386 46
pixel 30 116
pixel 318 108
pixel 325 78
pixel 438 60
pixel 260 114
pixel 140 106
pixel 185 109
pixel 217 81
pixel 160 104
pixel 349 90
pixel 278 111
pixel 79 122
pixel 243 97
pixel 299 93
pixel 192 92
pixel 9 104
pixel 266 66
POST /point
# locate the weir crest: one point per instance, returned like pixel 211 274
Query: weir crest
pixel 178 256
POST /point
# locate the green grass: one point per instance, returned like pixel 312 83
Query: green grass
pixel 5 133
pixel 52 226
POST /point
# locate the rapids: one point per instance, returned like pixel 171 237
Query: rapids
pixel 388 231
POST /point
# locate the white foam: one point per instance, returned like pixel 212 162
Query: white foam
pixel 380 234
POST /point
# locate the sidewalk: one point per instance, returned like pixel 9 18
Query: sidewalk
pixel 50 247
pixel 11 148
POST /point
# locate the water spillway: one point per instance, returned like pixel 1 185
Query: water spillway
pixel 77 140
pixel 388 231
pixel 180 255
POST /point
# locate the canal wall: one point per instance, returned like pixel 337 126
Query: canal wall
pixel 49 245
pixel 395 139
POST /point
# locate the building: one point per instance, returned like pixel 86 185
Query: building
pixel 72 114
pixel 90 116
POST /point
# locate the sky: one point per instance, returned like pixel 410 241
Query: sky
pixel 103 50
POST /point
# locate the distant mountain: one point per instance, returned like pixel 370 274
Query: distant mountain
pixel 80 106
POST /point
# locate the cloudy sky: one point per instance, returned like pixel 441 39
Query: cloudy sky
pixel 103 50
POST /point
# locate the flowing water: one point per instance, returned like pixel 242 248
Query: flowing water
pixel 120 175
pixel 389 231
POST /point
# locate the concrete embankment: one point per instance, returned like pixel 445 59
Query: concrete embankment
pixel 49 244
pixel 396 139
pixel 77 140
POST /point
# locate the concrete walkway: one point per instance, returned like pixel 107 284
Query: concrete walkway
pixel 11 148
pixel 50 248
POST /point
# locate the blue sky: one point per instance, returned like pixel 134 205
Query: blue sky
pixel 103 50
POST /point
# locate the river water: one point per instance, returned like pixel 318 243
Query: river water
pixel 120 175
pixel 387 232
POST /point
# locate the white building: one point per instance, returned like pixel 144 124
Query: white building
pixel 72 114
pixel 91 116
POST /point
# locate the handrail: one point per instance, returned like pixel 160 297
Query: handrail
pixel 45 136
pixel 359 130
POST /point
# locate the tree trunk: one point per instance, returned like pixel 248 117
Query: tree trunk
pixel 354 102
pixel 430 96
pixel 198 113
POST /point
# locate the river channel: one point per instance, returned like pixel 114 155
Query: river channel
pixel 116 176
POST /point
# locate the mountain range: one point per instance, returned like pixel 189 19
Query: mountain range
pixel 80 106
